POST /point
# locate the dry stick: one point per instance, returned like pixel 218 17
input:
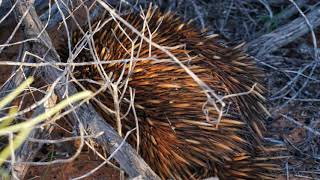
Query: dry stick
pixel 264 44
pixel 283 35
pixel 18 75
pixel 296 28
pixel 28 150
pixel 289 11
pixel 54 14
pixel 6 6
pixel 126 156
pixel 57 18
pixel 315 132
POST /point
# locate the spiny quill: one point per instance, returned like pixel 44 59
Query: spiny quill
pixel 178 130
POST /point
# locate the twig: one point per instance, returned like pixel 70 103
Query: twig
pixel 207 90
pixel 267 6
pixel 107 160
pixel 128 159
pixel 314 40
pixel 289 12
pixel 283 35
pixel 54 141
pixel 301 125
pixel 28 150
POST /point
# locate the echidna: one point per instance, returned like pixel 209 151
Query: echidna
pixel 182 133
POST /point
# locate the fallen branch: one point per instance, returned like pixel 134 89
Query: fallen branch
pixel 6 6
pixel 283 35
pixel 29 150
pixel 126 156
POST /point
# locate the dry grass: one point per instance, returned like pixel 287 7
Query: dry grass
pixel 292 72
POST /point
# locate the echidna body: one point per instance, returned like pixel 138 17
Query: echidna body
pixel 179 134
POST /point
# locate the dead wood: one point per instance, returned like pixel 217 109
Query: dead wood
pixel 126 156
pixel 283 35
